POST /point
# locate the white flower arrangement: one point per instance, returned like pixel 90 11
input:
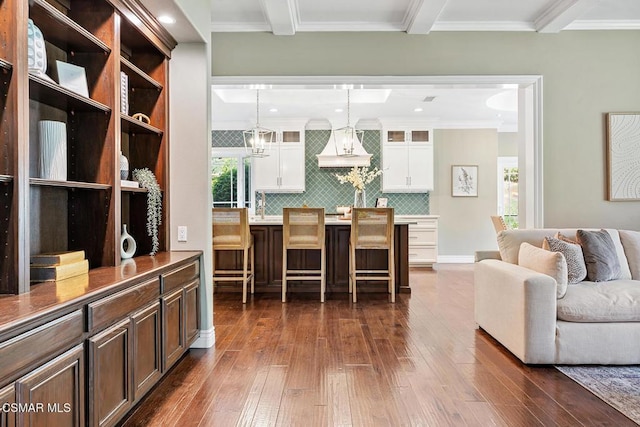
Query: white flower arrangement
pixel 359 177
pixel 147 180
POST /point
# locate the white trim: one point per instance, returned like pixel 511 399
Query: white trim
pixel 422 15
pixel 239 27
pixel 560 14
pixel 483 26
pixel 207 339
pixel 349 26
pixel 456 259
pixel 281 15
pixel 618 24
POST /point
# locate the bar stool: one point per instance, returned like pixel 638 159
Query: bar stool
pixel 231 233
pixel 372 228
pixel 498 223
pixel 303 228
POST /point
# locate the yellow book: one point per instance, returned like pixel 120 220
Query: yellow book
pixel 43 273
pixel 57 258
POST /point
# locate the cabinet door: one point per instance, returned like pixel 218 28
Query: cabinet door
pixel 173 331
pixel 56 390
pixel 109 380
pixel 146 360
pixel 7 396
pixel 192 311
pixel 421 168
pixel 266 171
pixel 395 166
pixel 292 168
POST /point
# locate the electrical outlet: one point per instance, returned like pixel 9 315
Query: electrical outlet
pixel 182 233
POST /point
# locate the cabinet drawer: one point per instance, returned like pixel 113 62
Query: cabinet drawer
pixel 422 236
pixel 108 310
pixel 48 340
pixel 427 255
pixel 180 277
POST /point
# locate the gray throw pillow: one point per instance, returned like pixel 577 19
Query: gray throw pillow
pixel 599 255
pixel 576 268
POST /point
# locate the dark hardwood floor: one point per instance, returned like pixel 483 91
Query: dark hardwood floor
pixel 419 362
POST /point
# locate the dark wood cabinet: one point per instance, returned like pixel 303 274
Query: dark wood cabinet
pixel 146 349
pixel 110 395
pixel 173 323
pixel 85 209
pixel 192 311
pixel 56 391
pixel 7 397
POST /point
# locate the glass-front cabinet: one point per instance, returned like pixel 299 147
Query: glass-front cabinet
pixel 407 160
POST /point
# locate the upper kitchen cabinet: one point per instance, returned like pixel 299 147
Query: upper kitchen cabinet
pixel 282 171
pixel 407 160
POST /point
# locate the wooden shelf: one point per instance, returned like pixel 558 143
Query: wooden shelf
pixel 62 31
pixel 6 178
pixel 131 125
pixel 53 94
pixel 5 65
pixel 69 184
pixel 133 190
pixel 138 78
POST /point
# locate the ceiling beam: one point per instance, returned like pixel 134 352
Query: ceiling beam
pixel 560 14
pixel 422 14
pixel 281 15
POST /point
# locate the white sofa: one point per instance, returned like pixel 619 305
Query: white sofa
pixel 594 323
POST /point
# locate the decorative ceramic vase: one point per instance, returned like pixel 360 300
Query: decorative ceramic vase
pixel 53 150
pixel 360 199
pixel 36 51
pixel 124 166
pixel 127 244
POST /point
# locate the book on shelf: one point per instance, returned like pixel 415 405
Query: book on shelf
pixel 129 184
pixel 55 258
pixel 124 93
pixel 44 273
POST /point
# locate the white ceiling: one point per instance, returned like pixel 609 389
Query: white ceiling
pixel 286 17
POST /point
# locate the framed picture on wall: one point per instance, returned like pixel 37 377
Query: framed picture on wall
pixel 623 155
pixel 381 202
pixel 464 180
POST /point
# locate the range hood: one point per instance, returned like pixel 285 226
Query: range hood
pixel 329 157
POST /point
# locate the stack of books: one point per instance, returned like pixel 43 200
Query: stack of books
pixel 58 266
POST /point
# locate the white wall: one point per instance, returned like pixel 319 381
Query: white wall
pixel 190 167
pixel 464 224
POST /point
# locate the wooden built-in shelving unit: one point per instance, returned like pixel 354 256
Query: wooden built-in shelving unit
pixel 87 210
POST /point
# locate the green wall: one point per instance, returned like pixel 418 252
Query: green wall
pixel 585 74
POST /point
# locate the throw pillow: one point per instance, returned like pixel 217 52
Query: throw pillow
pixel 550 263
pixel 600 255
pixel 631 243
pixel 576 268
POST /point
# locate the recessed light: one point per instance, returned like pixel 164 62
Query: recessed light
pixel 273 110
pixel 417 110
pixel 339 110
pixel 166 19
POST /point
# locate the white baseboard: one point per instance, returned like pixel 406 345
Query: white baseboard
pixel 456 259
pixel 207 339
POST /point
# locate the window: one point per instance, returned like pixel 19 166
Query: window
pixel 229 188
pixel 508 190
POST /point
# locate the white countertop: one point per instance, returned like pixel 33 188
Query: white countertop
pixel 328 220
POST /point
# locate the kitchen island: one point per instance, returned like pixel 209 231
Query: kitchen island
pixel 267 235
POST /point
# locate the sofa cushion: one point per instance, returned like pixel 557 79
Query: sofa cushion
pixel 613 301
pixel 550 263
pixel 631 243
pixel 576 268
pixel 599 255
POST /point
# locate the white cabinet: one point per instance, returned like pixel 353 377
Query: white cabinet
pixel 282 171
pixel 407 161
pixel 423 240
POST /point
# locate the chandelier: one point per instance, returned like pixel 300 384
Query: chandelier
pixel 347 138
pixel 258 140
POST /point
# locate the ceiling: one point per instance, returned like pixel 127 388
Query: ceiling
pixel 286 17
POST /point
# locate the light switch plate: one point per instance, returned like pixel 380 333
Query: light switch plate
pixel 182 233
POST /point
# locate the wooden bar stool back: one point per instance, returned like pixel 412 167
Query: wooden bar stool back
pixel 303 228
pixel 231 233
pixel 498 223
pixel 372 228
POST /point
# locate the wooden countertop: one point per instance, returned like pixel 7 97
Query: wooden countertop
pixel 48 300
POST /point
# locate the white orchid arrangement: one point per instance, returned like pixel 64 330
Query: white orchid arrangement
pixel 359 176
pixel 147 180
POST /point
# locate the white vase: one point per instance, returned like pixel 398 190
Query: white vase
pixel 53 150
pixel 127 244
pixel 36 50
pixel 124 166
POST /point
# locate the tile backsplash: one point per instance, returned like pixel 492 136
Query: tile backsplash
pixel 322 187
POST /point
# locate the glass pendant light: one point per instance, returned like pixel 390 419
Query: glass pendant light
pixel 258 140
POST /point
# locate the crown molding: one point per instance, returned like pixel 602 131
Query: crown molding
pixel 604 25
pixel 239 27
pixel 483 26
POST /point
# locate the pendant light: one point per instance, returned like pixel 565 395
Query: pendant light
pixel 347 138
pixel 258 140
